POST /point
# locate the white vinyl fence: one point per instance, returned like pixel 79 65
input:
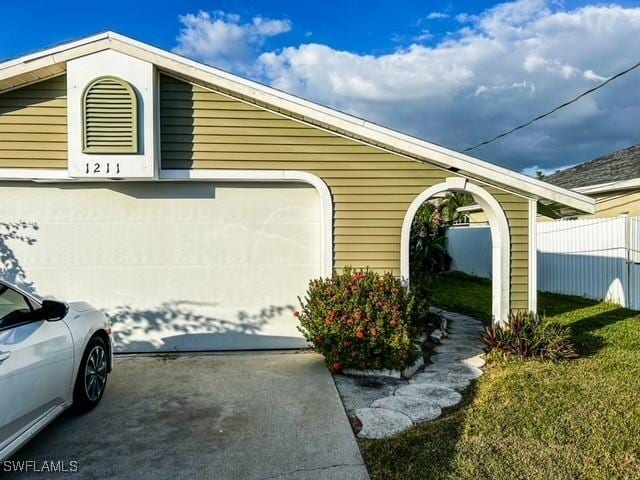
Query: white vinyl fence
pixel 470 250
pixel 594 258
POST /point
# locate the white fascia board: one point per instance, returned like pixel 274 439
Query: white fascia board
pixel 610 186
pixel 51 57
pixel 311 112
pixel 469 208
pixel 379 135
pixel 50 52
pixel 469 226
pixel 34 174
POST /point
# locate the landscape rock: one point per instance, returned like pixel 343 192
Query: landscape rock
pixel 475 361
pixel 465 327
pixel 442 396
pixel 405 373
pixel 455 368
pixel 436 335
pixel 360 392
pixel 416 408
pixel 459 349
pixel 456 316
pixel 381 422
pixel 386 406
pixel 446 379
pixel 464 342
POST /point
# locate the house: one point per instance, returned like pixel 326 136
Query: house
pixel 193 206
pixel 613 180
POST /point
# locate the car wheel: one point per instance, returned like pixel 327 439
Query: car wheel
pixel 92 376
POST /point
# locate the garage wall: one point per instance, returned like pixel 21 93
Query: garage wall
pixel 371 189
pixel 176 266
pixel 33 125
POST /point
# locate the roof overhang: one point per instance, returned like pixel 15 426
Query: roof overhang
pixel 610 186
pixel 469 208
pixel 546 210
pixel 38 66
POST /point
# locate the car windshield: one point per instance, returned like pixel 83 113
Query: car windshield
pixel 12 304
pixel 28 291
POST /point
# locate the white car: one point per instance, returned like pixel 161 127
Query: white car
pixel 52 356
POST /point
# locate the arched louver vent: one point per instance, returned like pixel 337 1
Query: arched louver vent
pixel 110 117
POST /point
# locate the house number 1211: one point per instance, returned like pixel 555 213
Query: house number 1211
pixel 102 168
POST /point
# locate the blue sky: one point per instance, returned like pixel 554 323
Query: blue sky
pixel 454 72
pixel 367 27
pixel 359 26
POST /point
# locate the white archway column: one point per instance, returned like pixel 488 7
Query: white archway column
pixel 500 239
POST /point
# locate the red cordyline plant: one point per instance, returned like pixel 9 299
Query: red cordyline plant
pixel 528 335
pixel 359 319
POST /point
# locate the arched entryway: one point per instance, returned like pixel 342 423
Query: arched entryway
pixel 501 258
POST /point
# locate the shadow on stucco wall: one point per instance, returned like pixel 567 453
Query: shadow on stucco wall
pixel 181 325
pixel 10 267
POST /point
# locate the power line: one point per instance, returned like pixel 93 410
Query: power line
pixel 540 117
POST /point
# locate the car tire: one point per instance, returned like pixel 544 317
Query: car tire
pixel 92 376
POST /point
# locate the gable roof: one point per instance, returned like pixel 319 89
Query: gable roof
pixel 38 66
pixel 620 166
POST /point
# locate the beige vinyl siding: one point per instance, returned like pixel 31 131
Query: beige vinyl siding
pixel 371 188
pixel 517 212
pixel 612 204
pixel 33 125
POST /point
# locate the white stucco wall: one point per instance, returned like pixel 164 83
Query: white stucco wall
pixel 185 266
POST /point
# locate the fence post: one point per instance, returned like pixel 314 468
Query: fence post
pixel 627 259
pixel 533 256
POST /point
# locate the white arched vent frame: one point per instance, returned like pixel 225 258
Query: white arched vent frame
pixel 111 128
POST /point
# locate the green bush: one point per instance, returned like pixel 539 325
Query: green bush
pixel 420 291
pixel 428 243
pixel 528 335
pixel 361 320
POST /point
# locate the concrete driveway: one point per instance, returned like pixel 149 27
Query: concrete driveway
pixel 257 416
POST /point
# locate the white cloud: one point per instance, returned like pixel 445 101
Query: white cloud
pixel 501 68
pixel 270 28
pixel 466 18
pixel 437 16
pixel 221 39
pixel 423 36
pixel 533 171
pixel 524 85
pixel 591 75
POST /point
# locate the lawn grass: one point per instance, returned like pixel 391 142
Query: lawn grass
pixel 530 419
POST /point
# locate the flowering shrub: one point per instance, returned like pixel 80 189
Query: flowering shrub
pixel 361 320
pixel 528 335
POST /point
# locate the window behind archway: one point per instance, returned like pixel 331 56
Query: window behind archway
pixel 110 111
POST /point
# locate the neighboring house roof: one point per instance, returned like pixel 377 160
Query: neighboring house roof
pixel 614 171
pixel 38 66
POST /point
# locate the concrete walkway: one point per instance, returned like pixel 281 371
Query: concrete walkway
pixel 259 416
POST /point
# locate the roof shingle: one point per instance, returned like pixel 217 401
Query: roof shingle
pixel 617 166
